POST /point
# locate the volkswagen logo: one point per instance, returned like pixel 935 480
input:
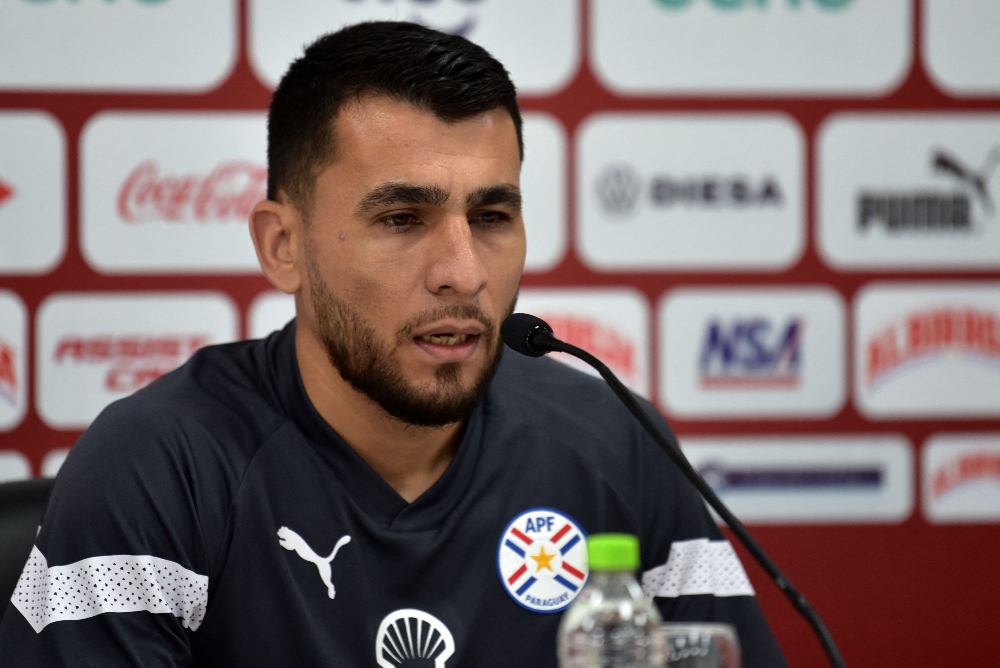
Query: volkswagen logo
pixel 618 189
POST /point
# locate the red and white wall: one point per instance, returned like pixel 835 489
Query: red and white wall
pixel 777 219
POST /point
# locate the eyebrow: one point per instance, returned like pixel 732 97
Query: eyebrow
pixel 398 193
pixel 394 193
pixel 504 193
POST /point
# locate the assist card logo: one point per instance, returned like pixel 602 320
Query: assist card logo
pixel 542 559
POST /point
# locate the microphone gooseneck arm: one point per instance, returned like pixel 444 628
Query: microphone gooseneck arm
pixel 540 340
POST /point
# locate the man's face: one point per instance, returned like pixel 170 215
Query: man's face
pixel 414 251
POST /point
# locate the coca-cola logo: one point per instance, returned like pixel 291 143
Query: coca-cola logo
pixel 135 361
pixel 604 342
pixel 932 332
pixel 227 193
pixel 8 373
pixel 965 469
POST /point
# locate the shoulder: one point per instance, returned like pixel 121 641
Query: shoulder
pixel 192 430
pixel 163 462
pixel 215 400
pixel 224 390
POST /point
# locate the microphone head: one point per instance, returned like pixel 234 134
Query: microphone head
pixel 516 332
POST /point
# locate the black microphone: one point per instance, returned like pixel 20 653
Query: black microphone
pixel 532 336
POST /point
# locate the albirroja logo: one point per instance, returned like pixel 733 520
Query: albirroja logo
pixel 135 361
pixel 228 193
pixel 964 469
pixel 8 373
pixel 931 332
pixel 604 342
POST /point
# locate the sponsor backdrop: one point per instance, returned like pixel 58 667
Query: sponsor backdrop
pixel 779 220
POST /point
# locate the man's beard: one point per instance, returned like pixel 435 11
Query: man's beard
pixel 354 349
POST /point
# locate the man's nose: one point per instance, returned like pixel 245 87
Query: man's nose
pixel 455 262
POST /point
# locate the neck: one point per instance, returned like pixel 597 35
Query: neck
pixel 408 457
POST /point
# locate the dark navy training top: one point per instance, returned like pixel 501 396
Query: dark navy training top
pixel 215 519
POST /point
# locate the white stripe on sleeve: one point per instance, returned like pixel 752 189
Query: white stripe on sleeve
pixel 698 566
pixel 114 583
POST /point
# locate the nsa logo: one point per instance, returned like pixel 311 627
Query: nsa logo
pixel 542 559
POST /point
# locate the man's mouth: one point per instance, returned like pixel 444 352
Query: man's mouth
pixel 446 339
pixel 450 345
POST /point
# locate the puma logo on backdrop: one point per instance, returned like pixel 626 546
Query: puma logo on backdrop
pixel 978 180
pixel 290 540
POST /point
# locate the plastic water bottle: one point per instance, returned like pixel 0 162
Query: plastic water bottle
pixel 611 624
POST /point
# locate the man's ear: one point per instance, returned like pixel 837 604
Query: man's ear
pixel 275 228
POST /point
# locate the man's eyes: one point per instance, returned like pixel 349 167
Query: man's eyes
pixel 489 218
pixel 399 223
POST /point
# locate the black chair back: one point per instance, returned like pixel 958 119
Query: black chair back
pixel 21 506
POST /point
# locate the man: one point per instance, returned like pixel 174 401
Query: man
pixel 371 485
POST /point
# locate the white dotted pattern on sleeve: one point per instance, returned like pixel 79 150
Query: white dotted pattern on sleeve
pixel 698 566
pixel 114 583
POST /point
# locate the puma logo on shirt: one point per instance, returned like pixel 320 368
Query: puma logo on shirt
pixel 290 540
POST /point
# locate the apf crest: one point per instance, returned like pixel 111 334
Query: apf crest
pixel 542 559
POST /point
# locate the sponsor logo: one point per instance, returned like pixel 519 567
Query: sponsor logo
pixel 928 334
pixel 6 191
pixel 542 559
pixel 620 190
pixel 8 374
pixel 135 361
pixel 721 477
pixel 290 540
pixel 95 348
pixel 696 192
pixel 808 479
pixel 751 353
pixel 928 349
pixel 961 478
pixel 760 5
pixel 170 192
pixel 967 468
pixel 610 323
pixel 227 193
pixel 909 191
pixel 413 637
pixel 932 211
pixel 604 342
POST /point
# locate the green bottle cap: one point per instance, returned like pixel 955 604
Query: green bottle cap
pixel 613 552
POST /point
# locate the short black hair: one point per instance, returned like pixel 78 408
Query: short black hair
pixel 445 74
